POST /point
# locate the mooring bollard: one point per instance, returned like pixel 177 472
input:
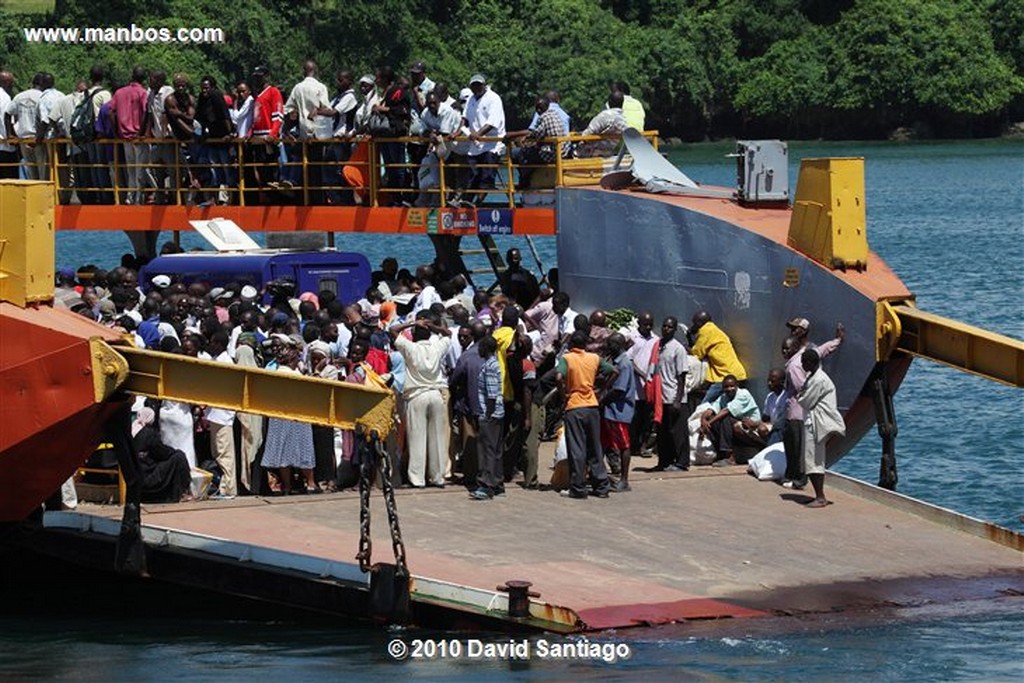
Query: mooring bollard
pixel 519 595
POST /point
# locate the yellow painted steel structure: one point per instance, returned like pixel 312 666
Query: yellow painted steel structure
pixel 26 241
pixel 903 327
pixel 234 387
pixel 561 173
pixel 829 221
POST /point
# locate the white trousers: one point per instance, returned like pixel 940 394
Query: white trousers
pixel 426 417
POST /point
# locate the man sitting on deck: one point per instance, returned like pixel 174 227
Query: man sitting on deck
pixel 537 145
pixel 768 429
pixel 731 408
pixel 608 122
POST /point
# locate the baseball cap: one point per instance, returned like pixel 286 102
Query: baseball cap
pixel 249 292
pixel 418 68
pixel 465 94
pixel 215 293
pixel 477 78
pixel 367 79
pixel 161 281
pixel 261 70
pixel 802 323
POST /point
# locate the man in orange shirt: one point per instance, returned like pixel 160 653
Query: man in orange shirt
pixel 576 373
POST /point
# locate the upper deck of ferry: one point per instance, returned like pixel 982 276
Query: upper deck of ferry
pixel 170 183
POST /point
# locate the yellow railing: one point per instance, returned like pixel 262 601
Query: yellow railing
pixel 169 171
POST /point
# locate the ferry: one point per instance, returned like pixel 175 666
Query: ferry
pixel 639 234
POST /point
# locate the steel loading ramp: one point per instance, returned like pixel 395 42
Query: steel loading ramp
pixel 904 327
pixel 249 390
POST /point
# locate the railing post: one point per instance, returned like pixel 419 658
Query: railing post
pixel 558 163
pixel 511 184
pixel 51 149
pixel 241 172
pixel 117 174
pixel 177 171
pixel 305 172
pixel 442 189
pixel 371 157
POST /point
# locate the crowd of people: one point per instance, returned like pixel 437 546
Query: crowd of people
pixel 480 379
pixel 161 140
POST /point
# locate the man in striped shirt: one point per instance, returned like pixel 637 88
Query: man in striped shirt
pixel 490 418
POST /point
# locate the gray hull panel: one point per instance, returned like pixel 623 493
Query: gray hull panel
pixel 628 250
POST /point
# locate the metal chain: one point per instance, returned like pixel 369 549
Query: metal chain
pixel 365 542
pixel 389 503
pixel 376 457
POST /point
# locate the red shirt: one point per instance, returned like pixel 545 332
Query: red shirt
pixel 268 113
pixel 129 106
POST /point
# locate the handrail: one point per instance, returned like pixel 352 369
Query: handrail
pixel 98 172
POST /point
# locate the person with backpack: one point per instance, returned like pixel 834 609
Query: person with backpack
pixel 92 176
pixel 70 156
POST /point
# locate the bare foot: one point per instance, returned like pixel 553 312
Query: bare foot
pixel 818 503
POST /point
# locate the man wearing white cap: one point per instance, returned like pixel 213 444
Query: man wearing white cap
pixel 161 281
pixel 485 118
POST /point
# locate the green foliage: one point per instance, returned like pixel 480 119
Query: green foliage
pixel 702 67
pixel 620 318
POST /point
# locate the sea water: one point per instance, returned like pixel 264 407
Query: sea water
pixel 949 219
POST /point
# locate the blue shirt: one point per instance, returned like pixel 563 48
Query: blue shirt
pixel 622 399
pixel 489 388
pixel 397 371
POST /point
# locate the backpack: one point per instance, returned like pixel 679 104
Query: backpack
pixel 83 120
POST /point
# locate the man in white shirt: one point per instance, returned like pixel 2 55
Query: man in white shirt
pixel 305 100
pixel 341 112
pixel 57 125
pixel 8 152
pixel 440 122
pixel 221 421
pixel 485 117
pixel 21 115
pixel 427 295
pixel 162 154
pixel 425 411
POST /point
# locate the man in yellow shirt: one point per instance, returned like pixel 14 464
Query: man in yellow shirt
pixel 712 344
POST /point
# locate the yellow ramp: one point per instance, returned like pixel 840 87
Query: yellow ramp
pixel 251 390
pixel 962 346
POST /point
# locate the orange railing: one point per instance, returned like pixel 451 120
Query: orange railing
pixel 314 173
